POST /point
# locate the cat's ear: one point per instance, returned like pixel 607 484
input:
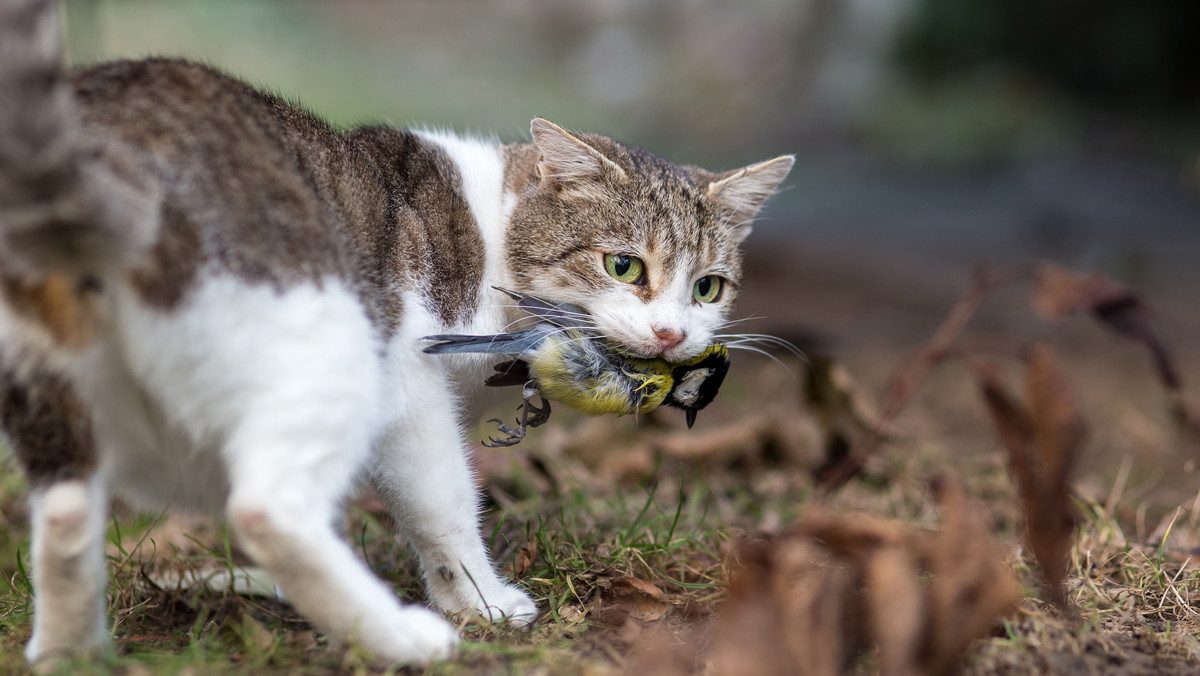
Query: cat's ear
pixel 741 193
pixel 568 159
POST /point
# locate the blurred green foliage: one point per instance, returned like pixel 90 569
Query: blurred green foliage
pixel 1114 54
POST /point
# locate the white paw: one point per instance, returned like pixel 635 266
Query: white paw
pixel 506 603
pixel 514 606
pixel 488 597
pixel 416 636
pixel 47 658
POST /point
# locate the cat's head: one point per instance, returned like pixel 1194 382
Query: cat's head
pixel 647 247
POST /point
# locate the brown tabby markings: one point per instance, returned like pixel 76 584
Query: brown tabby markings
pixel 53 428
pixel 58 304
pixel 257 188
pixel 660 207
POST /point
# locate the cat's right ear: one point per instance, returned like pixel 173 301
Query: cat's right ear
pixel 568 160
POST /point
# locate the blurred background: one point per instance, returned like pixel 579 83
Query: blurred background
pixel 1059 127
pixel 930 135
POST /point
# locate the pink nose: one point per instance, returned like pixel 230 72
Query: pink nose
pixel 668 338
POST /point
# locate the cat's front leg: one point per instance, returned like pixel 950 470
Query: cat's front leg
pixel 68 520
pixel 422 472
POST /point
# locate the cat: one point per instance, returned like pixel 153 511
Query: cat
pixel 211 300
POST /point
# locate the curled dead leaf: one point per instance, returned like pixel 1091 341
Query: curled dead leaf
pixel 810 601
pixel 1043 442
pixel 1060 292
pixel 628 598
pixel 522 561
pixel 973 585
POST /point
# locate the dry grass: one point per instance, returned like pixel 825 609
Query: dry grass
pixel 629 533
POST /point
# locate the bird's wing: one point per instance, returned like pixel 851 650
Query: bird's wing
pixel 500 343
pixel 560 314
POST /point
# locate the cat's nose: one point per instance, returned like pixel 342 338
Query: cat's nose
pixel 668 338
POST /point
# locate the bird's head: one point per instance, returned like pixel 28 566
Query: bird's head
pixel 697 380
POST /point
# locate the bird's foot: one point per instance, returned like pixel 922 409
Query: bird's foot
pixel 540 414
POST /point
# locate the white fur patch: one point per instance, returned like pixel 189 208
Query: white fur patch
pixel 631 321
pixel 169 390
pixel 480 163
pixel 422 469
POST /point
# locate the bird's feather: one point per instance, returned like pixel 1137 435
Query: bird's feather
pixel 501 343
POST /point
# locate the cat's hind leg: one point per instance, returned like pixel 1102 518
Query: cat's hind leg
pixel 51 435
pixel 68 520
pixel 422 472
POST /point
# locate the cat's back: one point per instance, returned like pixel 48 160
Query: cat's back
pixel 234 170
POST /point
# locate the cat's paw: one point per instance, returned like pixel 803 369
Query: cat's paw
pixel 415 636
pixel 493 600
pixel 506 603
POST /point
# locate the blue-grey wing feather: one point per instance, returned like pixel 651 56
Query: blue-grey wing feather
pixel 561 314
pixel 501 343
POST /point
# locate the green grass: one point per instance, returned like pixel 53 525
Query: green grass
pixel 570 491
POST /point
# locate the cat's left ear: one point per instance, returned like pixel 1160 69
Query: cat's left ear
pixel 742 192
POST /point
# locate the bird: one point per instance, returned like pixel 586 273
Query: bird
pixel 563 360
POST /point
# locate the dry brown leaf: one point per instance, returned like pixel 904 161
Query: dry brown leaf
pixel 895 609
pixel 1060 292
pixel 1058 434
pixel 971 586
pixel 523 561
pixel 920 596
pixel 628 598
pixel 1043 442
pixel 788 612
pixel 1012 422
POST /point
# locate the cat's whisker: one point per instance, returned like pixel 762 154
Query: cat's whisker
pixel 581 320
pixel 730 322
pixel 768 355
pixel 742 339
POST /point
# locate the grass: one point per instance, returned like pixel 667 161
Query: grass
pixel 592 519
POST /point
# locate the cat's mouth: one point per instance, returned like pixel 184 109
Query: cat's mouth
pixel 677 353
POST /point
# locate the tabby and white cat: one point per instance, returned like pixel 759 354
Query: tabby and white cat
pixel 211 300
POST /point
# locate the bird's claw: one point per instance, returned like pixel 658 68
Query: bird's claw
pixel 515 435
pixel 540 414
pixel 537 415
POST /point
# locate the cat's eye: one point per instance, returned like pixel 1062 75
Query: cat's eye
pixel 707 289
pixel 628 269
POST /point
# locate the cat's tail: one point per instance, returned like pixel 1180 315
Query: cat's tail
pixel 67 205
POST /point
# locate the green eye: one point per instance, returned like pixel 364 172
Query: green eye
pixel 624 268
pixel 707 289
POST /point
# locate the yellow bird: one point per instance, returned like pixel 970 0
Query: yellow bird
pixel 562 361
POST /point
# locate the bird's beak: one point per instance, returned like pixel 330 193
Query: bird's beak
pixel 691 417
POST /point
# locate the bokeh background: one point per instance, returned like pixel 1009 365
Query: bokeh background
pixel 930 135
pixel 1056 127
